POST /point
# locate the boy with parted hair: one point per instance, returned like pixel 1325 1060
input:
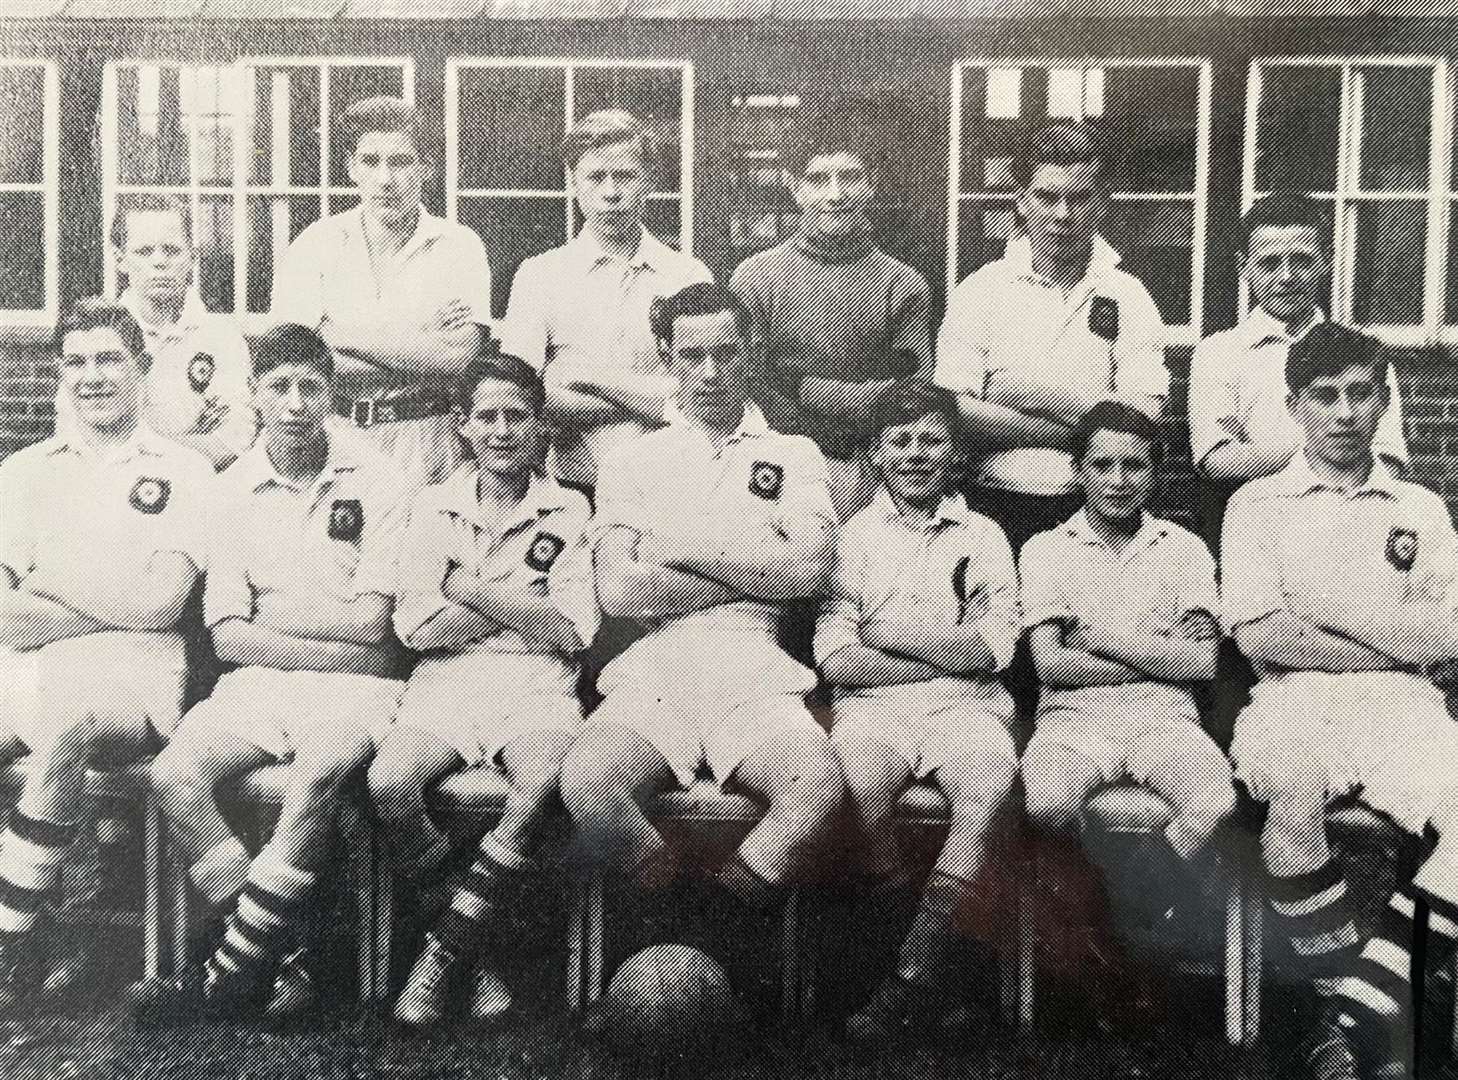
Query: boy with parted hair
pixel 921 617
pixel 101 546
pixel 579 313
pixel 299 596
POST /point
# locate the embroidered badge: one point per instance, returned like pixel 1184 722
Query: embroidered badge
pixel 1402 547
pixel 200 372
pixel 545 548
pixel 149 494
pixel 766 478
pixel 1103 317
pixel 346 519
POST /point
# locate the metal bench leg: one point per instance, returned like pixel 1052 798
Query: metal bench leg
pixel 176 875
pixel 360 844
pixel 576 930
pixel 1254 931
pixel 383 925
pixel 1234 960
pixel 1027 955
pixel 594 932
pixel 790 959
pixel 152 870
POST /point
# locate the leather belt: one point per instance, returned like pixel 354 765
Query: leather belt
pixel 392 407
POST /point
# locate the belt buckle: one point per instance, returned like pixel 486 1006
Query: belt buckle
pixel 364 413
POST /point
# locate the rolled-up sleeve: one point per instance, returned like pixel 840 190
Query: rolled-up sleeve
pixel 298 282
pixel 424 561
pixel 472 273
pixel 1213 411
pixel 1250 585
pixel 1139 353
pixel 1198 591
pixel 838 623
pixel 17 524
pixel 962 351
pixel 807 486
pixel 387 517
pixel 569 585
pixel 228 593
pixel 1000 624
pixel 1043 599
pixel 525 331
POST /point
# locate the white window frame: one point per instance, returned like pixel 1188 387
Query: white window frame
pixel 1438 198
pixel 242 188
pixel 29 322
pixel 1198 199
pixel 684 196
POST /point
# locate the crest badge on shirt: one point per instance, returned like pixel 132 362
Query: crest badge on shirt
pixel 346 520
pixel 1103 317
pixel 200 371
pixel 544 549
pixel 766 478
pixel 1402 548
pixel 149 494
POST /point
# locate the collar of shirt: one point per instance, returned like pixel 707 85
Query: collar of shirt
pixel 592 254
pixel 428 229
pixel 143 442
pixel 458 498
pixel 1260 328
pixel 1102 260
pixel 952 510
pixel 168 333
pixel 1298 478
pixel 256 470
pixel 752 426
pixel 1150 532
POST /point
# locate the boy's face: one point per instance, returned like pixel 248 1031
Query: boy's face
pixel 834 193
pixel 915 460
pixel 387 169
pixel 1340 414
pixel 157 256
pixel 1062 207
pixel 1117 475
pixel 103 378
pixel 1286 268
pixel 611 186
pixel 505 434
pixel 293 401
pixel 710 360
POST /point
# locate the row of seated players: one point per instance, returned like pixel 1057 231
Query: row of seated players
pixel 1338 584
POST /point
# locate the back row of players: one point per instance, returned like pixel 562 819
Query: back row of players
pixel 725 434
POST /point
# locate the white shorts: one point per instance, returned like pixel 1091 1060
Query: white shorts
pixel 281 712
pixel 1387 735
pixel 480 702
pixel 117 676
pixel 927 740
pixel 694 733
pixel 1133 748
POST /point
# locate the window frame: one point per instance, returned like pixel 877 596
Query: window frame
pixel 1440 197
pixel 27 323
pixel 242 186
pixel 1198 199
pixel 570 65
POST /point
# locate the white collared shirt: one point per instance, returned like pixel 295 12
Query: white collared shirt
pixel 1238 391
pixel 1007 318
pixel 542 546
pixel 337 534
pixel 577 306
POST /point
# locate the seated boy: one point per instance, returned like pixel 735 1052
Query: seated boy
pixel 496 591
pixel 922 615
pixel 100 549
pixel 1120 609
pixel 706 528
pixel 298 598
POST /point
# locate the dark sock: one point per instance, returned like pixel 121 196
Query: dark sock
pixel 750 888
pixel 931 937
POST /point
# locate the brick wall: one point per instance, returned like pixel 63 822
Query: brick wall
pixel 27 393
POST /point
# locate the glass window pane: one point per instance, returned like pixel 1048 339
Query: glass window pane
pixel 273 221
pixel 209 106
pixel 1452 257
pixel 984 228
pixel 653 95
pixel 1156 240
pixel 513 230
pixel 1387 280
pixel 348 85
pixel 1151 149
pixel 1396 128
pixel 22 251
pixel 22 125
pixel 285 127
pixel 511 128
pixel 214 227
pixel 995 103
pixel 340 202
pixel 151 139
pixel 1299 120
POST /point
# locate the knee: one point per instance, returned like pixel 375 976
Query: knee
pixel 68 741
pixel 1053 800
pixel 980 779
pixel 396 790
pixel 594 778
pixel 1212 803
pixel 323 771
pixel 816 788
pixel 175 773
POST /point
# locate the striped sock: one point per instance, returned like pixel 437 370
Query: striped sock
pixel 1311 910
pixel 31 851
pixel 496 868
pixel 930 939
pixel 262 925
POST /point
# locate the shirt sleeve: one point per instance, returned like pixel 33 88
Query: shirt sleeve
pixel 1139 351
pixel 807 491
pixel 1043 600
pixel 240 426
pixel 1198 591
pixel 473 275
pixel 524 331
pixel 617 495
pixel 387 513
pixel 1389 441
pixel 298 283
pixel 962 352
pixel 1000 624
pixel 1212 407
pixel 17 520
pixel 1250 586
pixel 424 558
pixel 228 594
pixel 911 324
pixel 569 582
pixel 838 623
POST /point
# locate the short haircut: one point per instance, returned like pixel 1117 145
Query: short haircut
pixel 701 298
pixel 846 131
pixel 1286 209
pixel 1058 142
pixel 383 114
pixel 906 401
pixel 1328 349
pixel 492 363
pixel 95 312
pixel 606 127
pixel 149 202
pixel 291 343
pixel 1115 416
